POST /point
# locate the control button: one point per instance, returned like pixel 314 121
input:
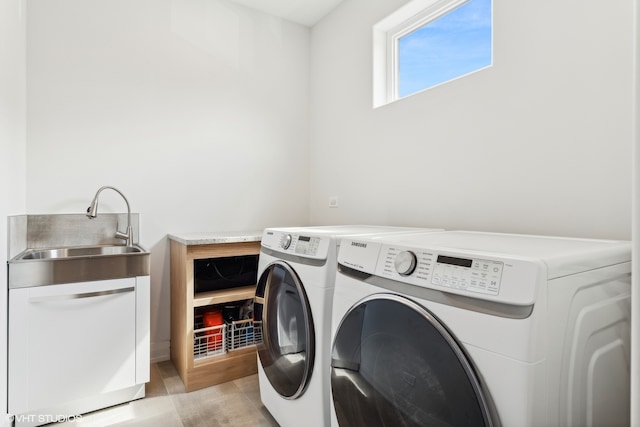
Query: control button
pixel 405 263
pixel 286 241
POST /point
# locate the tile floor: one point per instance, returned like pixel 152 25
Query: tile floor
pixel 235 403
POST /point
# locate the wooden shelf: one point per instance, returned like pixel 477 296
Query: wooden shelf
pixel 200 373
pixel 224 295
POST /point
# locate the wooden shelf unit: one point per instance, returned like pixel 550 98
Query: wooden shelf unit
pixel 197 374
pixel 224 295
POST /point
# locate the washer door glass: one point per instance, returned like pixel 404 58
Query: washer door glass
pixel 287 349
pixel 394 364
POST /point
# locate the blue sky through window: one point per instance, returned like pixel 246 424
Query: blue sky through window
pixel 451 46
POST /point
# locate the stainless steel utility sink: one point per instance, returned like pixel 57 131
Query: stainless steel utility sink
pixel 51 266
pixel 80 251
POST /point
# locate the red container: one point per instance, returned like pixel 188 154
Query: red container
pixel 215 336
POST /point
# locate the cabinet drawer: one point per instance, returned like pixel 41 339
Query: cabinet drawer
pixel 70 341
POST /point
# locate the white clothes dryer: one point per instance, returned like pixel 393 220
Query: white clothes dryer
pixel 296 271
pixel 481 329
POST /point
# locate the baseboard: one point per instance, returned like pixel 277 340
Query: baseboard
pixel 160 351
pixel 71 411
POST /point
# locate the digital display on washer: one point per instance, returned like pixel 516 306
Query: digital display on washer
pixel 455 261
pixel 307 245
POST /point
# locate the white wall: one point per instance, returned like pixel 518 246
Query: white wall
pixel 12 150
pixel 635 278
pixel 539 143
pixel 195 109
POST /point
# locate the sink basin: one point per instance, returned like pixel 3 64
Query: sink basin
pixel 80 251
pixel 52 266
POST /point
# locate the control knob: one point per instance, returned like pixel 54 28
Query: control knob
pixel 405 263
pixel 286 241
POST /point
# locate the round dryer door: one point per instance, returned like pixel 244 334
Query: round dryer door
pixel 394 364
pixel 287 349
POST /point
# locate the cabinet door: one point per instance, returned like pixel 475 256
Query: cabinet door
pixel 70 341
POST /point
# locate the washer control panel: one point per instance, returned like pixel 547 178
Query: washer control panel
pixel 297 244
pixel 285 241
pixel 306 245
pixel 415 266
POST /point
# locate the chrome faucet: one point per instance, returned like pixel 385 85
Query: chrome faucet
pixel 92 212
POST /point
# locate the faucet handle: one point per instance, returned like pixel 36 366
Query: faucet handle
pixel 127 237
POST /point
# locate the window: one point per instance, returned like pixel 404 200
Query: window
pixel 429 42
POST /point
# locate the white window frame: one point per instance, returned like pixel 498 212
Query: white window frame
pixel 386 34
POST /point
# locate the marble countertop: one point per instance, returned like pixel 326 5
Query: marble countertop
pixel 213 237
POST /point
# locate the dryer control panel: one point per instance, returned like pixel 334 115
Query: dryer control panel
pixel 470 274
pixel 432 264
pixel 479 275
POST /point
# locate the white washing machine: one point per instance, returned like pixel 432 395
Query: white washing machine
pixel 480 329
pixel 296 271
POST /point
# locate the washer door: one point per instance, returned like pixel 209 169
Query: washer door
pixel 394 364
pixel 287 349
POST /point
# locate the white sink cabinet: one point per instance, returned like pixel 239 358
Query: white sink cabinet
pixel 77 347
